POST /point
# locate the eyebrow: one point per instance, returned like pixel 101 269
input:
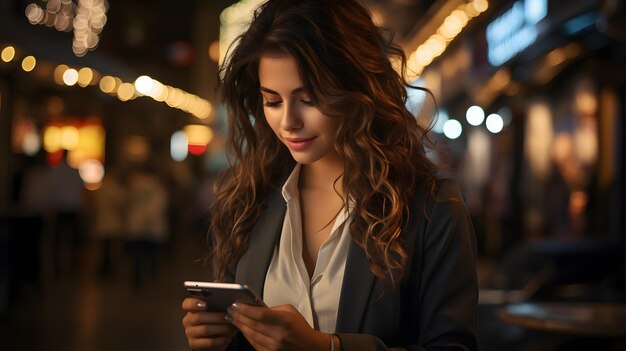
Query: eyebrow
pixel 293 92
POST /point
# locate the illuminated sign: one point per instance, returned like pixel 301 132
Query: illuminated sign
pixel 515 30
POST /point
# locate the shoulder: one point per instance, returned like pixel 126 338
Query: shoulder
pixel 443 197
pixel 448 199
pixel 439 214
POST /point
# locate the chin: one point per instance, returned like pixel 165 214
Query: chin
pixel 304 158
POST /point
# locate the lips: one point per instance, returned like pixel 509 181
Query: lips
pixel 298 144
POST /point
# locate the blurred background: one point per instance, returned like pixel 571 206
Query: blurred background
pixel 112 133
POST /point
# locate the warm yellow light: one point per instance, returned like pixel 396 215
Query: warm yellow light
pixel 144 85
pixel 436 44
pixel 96 77
pixel 91 141
pixel 174 97
pixel 452 25
pixel 162 94
pixel 70 77
pixel 204 110
pixel 177 97
pixel 8 54
pixel 186 102
pixel 471 11
pixel 480 5
pixel 126 91
pixel 107 84
pixel 75 158
pixel 198 134
pixel 52 139
pixel 445 33
pixel 91 171
pixel 28 63
pixel 423 55
pixel 58 73
pixel 214 51
pixel 461 16
pixel 85 75
pixel 69 137
pixel 156 90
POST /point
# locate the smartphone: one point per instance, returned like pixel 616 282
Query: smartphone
pixel 219 296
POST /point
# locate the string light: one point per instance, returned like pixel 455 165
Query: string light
pixel 28 63
pixel 86 18
pixel 8 54
pixel 125 91
pixel 437 43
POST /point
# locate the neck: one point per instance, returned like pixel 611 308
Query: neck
pixel 322 174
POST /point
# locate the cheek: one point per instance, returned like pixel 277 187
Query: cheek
pixel 273 119
pixel 327 126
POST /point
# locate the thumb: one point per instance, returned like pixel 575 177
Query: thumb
pixel 284 308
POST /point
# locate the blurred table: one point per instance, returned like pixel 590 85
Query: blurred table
pixel 581 319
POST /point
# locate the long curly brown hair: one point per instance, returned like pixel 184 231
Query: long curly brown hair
pixel 345 63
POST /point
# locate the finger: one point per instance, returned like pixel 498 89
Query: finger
pixel 209 343
pixel 257 313
pixel 258 339
pixel 211 330
pixel 195 318
pixel 191 304
pixel 284 308
pixel 239 319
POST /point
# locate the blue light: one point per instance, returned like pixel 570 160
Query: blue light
pixel 580 23
pixel 515 30
pixel 535 10
pixel 178 146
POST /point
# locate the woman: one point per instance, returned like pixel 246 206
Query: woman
pixel 331 211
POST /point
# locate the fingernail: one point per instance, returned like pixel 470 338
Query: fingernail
pixel 228 318
pixel 202 305
pixel 235 306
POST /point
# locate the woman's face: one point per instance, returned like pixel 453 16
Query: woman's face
pixel 298 123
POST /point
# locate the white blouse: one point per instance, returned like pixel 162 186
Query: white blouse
pixel 287 280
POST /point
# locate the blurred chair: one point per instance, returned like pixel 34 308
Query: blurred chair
pixel 587 270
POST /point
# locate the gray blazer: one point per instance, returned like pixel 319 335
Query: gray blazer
pixel 434 307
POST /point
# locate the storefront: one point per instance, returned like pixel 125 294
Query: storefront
pixel 538 89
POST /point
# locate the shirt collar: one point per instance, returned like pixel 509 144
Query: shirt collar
pixel 290 188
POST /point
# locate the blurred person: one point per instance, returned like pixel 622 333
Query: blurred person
pixel 146 225
pixel 57 193
pixel 108 219
pixel 331 211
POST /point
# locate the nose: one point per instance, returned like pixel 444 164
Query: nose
pixel 292 118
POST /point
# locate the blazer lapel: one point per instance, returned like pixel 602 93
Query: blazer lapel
pixel 253 265
pixel 358 282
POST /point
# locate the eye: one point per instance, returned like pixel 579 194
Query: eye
pixel 307 102
pixel 272 103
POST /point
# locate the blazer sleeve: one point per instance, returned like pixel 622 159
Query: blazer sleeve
pixel 447 291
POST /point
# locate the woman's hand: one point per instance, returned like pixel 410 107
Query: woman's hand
pixel 206 330
pixel 276 328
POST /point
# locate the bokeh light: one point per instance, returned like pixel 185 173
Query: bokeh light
pixel 29 63
pixel 452 129
pixel 8 54
pixel 494 123
pixel 475 115
pixel 178 146
pixel 85 76
pixel 70 77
